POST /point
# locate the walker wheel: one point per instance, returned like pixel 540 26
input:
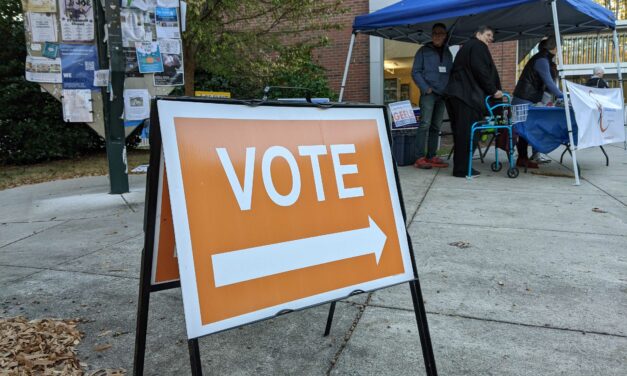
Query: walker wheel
pixel 512 172
pixel 495 166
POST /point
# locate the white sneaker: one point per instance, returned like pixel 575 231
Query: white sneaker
pixel 540 158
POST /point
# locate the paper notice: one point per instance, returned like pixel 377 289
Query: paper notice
pixel 77 20
pixel 77 106
pixel 133 30
pixel 101 78
pixel 183 15
pixel 168 3
pixel 42 69
pixel 45 6
pixel 136 104
pixel 172 74
pixel 43 27
pixel 167 23
pixel 144 5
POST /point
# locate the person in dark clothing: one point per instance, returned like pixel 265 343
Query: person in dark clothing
pixel 473 78
pixel 430 72
pixel 597 79
pixel 535 79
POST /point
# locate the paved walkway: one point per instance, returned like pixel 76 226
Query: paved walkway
pixel 541 288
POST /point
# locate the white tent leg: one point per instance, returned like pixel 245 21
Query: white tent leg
pixel 620 75
pixel 560 66
pixel 348 62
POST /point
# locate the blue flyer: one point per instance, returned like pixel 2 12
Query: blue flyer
pixel 78 63
pixel 149 57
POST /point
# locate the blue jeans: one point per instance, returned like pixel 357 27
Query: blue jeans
pixel 431 114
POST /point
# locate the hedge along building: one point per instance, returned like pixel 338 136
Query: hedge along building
pixel 380 70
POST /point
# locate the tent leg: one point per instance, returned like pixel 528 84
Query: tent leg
pixel 348 62
pixel 620 75
pixel 560 59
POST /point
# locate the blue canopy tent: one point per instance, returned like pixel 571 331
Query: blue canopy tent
pixel 412 21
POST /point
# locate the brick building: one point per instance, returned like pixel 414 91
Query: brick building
pixel 380 70
pixel 381 67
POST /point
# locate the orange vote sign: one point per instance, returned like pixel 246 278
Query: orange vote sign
pixel 164 264
pixel 279 208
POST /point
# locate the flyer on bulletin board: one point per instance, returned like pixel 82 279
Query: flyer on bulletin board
pixel 43 27
pixel 43 6
pixel 78 63
pixel 149 57
pixel 77 20
pixel 172 55
pixel 167 23
pixel 42 69
pixel 77 106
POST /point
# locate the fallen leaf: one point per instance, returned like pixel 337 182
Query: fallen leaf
pixel 460 244
pixel 102 347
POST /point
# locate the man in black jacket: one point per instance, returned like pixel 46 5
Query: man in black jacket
pixel 473 77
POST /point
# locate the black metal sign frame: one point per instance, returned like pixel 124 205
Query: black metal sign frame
pixel 152 190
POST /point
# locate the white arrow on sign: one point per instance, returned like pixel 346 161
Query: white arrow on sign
pixel 256 262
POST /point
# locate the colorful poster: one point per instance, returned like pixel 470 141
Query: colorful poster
pixel 42 69
pixel 136 104
pixel 172 56
pixel 167 23
pixel 132 24
pixel 77 20
pixel 149 57
pixel 131 66
pixel 78 63
pixel 77 106
pixel 43 6
pixel 43 27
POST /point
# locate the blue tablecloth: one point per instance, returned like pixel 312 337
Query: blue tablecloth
pixel 545 128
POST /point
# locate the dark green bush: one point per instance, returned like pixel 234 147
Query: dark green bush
pixel 31 123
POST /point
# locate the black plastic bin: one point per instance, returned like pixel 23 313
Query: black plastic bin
pixel 403 146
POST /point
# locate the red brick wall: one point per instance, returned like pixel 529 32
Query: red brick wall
pixel 504 55
pixel 333 57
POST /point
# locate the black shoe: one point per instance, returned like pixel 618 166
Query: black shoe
pixel 463 175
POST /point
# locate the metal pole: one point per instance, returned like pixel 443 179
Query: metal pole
pixel 348 61
pixel 113 103
pixel 560 67
pixel 620 76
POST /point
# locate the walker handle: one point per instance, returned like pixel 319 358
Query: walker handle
pixel 491 108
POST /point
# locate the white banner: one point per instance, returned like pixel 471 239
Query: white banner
pixel 599 114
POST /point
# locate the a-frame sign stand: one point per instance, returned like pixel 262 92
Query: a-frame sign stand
pixel 146 287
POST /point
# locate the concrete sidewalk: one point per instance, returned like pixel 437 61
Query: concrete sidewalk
pixel 541 289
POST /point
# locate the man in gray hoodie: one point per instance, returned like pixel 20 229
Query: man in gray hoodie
pixel 432 66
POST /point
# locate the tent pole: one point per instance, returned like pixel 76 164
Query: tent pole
pixel 348 62
pixel 620 76
pixel 560 66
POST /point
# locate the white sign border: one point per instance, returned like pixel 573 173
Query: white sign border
pixel 170 109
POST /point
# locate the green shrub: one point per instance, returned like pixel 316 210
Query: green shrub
pixel 31 123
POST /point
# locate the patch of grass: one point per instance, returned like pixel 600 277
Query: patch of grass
pixel 90 165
